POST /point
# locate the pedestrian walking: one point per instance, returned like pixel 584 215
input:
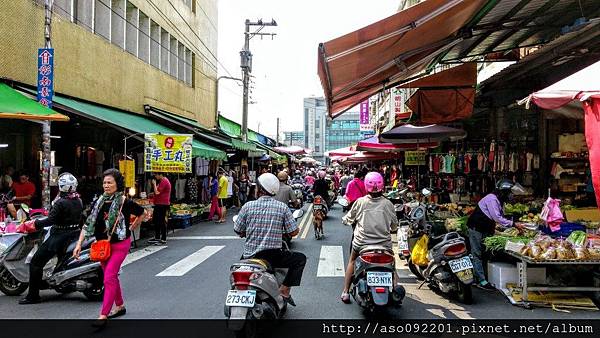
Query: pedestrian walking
pixel 162 203
pixel 230 202
pixel 244 187
pixel 214 198
pixel 223 184
pixel 111 212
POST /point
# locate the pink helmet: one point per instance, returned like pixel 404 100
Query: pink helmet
pixel 322 173
pixel 374 182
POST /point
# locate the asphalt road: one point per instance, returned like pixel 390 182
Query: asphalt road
pixel 188 279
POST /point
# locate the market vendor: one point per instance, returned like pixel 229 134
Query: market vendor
pixel 482 223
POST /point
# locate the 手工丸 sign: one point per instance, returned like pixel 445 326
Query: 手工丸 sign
pixel 168 153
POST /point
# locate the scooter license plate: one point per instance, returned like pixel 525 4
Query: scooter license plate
pixel 379 278
pixel 460 264
pixel 318 207
pixel 243 298
pixel 402 244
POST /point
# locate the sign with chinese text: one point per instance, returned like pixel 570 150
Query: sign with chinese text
pixel 45 80
pixel 400 114
pixel 127 168
pixel 168 153
pixel 365 119
pixel 415 157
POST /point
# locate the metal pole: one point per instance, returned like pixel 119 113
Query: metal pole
pixel 277 138
pixel 245 79
pixel 46 149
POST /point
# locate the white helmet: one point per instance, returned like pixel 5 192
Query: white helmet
pixel 67 183
pixel 269 183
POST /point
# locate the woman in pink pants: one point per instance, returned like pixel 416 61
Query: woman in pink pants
pixel 110 216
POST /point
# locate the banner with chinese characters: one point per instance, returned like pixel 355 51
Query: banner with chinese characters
pixel 365 118
pixel 168 153
pixel 415 157
pixel 45 83
pixel 127 168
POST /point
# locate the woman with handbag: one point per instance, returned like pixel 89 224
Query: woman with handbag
pixel 109 223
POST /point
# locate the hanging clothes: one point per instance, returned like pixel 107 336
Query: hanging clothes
pixel 205 195
pixel 460 163
pixel 192 189
pixel 480 162
pixel 467 169
pixel 436 164
pixel 180 189
pixel 536 162
pixel 529 157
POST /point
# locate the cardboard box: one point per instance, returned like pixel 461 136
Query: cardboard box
pixel 586 214
pixel 500 274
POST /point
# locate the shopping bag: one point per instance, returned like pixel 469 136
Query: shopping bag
pixel 551 214
pixel 419 252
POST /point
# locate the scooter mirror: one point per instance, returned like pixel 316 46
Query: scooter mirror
pixel 235 218
pixel 298 213
pixel 426 192
pixel 343 202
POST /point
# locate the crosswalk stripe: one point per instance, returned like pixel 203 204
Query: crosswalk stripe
pixel 331 261
pixel 309 221
pixel 139 254
pixel 185 265
pixel 205 237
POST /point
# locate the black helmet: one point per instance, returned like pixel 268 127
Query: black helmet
pixel 505 185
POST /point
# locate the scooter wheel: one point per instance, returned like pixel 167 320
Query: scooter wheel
pixel 9 285
pixel 415 271
pixel 464 294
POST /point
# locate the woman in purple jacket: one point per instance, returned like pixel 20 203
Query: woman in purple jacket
pixel 482 223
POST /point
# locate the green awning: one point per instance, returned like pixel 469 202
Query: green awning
pixel 241 145
pixel 229 127
pixel 135 123
pixel 14 105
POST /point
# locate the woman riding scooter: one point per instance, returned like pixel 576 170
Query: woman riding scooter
pixel 65 217
pixel 375 219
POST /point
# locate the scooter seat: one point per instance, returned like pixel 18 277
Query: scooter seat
pixel 370 248
pixel 86 243
pixel 433 241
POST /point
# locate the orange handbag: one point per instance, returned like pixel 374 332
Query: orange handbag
pixel 100 250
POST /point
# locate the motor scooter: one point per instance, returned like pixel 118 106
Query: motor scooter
pixel 254 293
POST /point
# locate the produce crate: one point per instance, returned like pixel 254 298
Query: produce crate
pixel 180 221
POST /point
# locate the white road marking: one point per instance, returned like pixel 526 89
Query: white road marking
pixel 139 254
pixel 438 313
pixel 185 265
pixel 331 261
pixel 308 222
pixel 205 237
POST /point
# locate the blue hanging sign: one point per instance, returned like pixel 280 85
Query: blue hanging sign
pixel 45 82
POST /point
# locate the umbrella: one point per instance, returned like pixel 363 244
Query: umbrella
pixel 308 160
pixel 409 133
pixel 365 156
pixel 293 150
pixel 347 151
pixel 372 144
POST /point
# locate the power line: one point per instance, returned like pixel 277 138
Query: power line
pixel 159 43
pixel 200 39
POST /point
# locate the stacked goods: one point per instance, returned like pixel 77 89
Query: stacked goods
pixel 573 248
pixel 498 242
pixel 181 209
pixel 531 219
pixel 456 224
pixel 516 209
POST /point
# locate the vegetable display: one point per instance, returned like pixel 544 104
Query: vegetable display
pixel 497 243
pixel 516 209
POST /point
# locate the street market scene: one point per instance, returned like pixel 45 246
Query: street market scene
pixel 394 160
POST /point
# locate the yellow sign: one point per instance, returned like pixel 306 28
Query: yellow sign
pixel 414 157
pixel 168 153
pixel 127 168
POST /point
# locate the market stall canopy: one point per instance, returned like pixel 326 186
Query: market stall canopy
pixel 341 152
pixel 364 156
pixel 445 96
pixel 409 133
pixel 292 150
pixel 14 105
pixel 372 144
pixel 583 86
pixel 308 160
pixel 355 66
pixel 128 123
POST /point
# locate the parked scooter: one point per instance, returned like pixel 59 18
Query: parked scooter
pixel 449 268
pixel 64 274
pixel 254 293
pixel 373 282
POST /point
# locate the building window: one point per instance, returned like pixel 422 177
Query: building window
pixel 317 149
pixel 117 23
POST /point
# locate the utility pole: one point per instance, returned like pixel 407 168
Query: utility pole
pixel 277 138
pixel 46 150
pixel 246 65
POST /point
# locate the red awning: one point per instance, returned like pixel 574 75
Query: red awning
pixel 342 152
pixel 364 156
pixel 372 144
pixel 583 86
pixel 445 96
pixel 357 65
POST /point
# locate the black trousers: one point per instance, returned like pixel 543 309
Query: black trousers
pixel 56 244
pixel 159 219
pixel 293 261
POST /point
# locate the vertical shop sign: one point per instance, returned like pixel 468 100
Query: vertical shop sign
pixel 168 153
pixel 45 81
pixel 365 121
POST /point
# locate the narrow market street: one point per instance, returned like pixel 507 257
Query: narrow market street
pixel 189 278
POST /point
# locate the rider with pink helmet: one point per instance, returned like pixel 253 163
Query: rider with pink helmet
pixel 375 220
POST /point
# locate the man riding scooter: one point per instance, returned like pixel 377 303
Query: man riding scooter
pixel 321 187
pixel 64 217
pixel 285 194
pixel 263 223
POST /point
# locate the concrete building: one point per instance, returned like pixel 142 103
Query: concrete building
pixel 321 133
pixel 294 138
pixel 123 54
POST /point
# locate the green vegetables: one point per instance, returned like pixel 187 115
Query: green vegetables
pixel 498 242
pixel 577 238
pixel 516 209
